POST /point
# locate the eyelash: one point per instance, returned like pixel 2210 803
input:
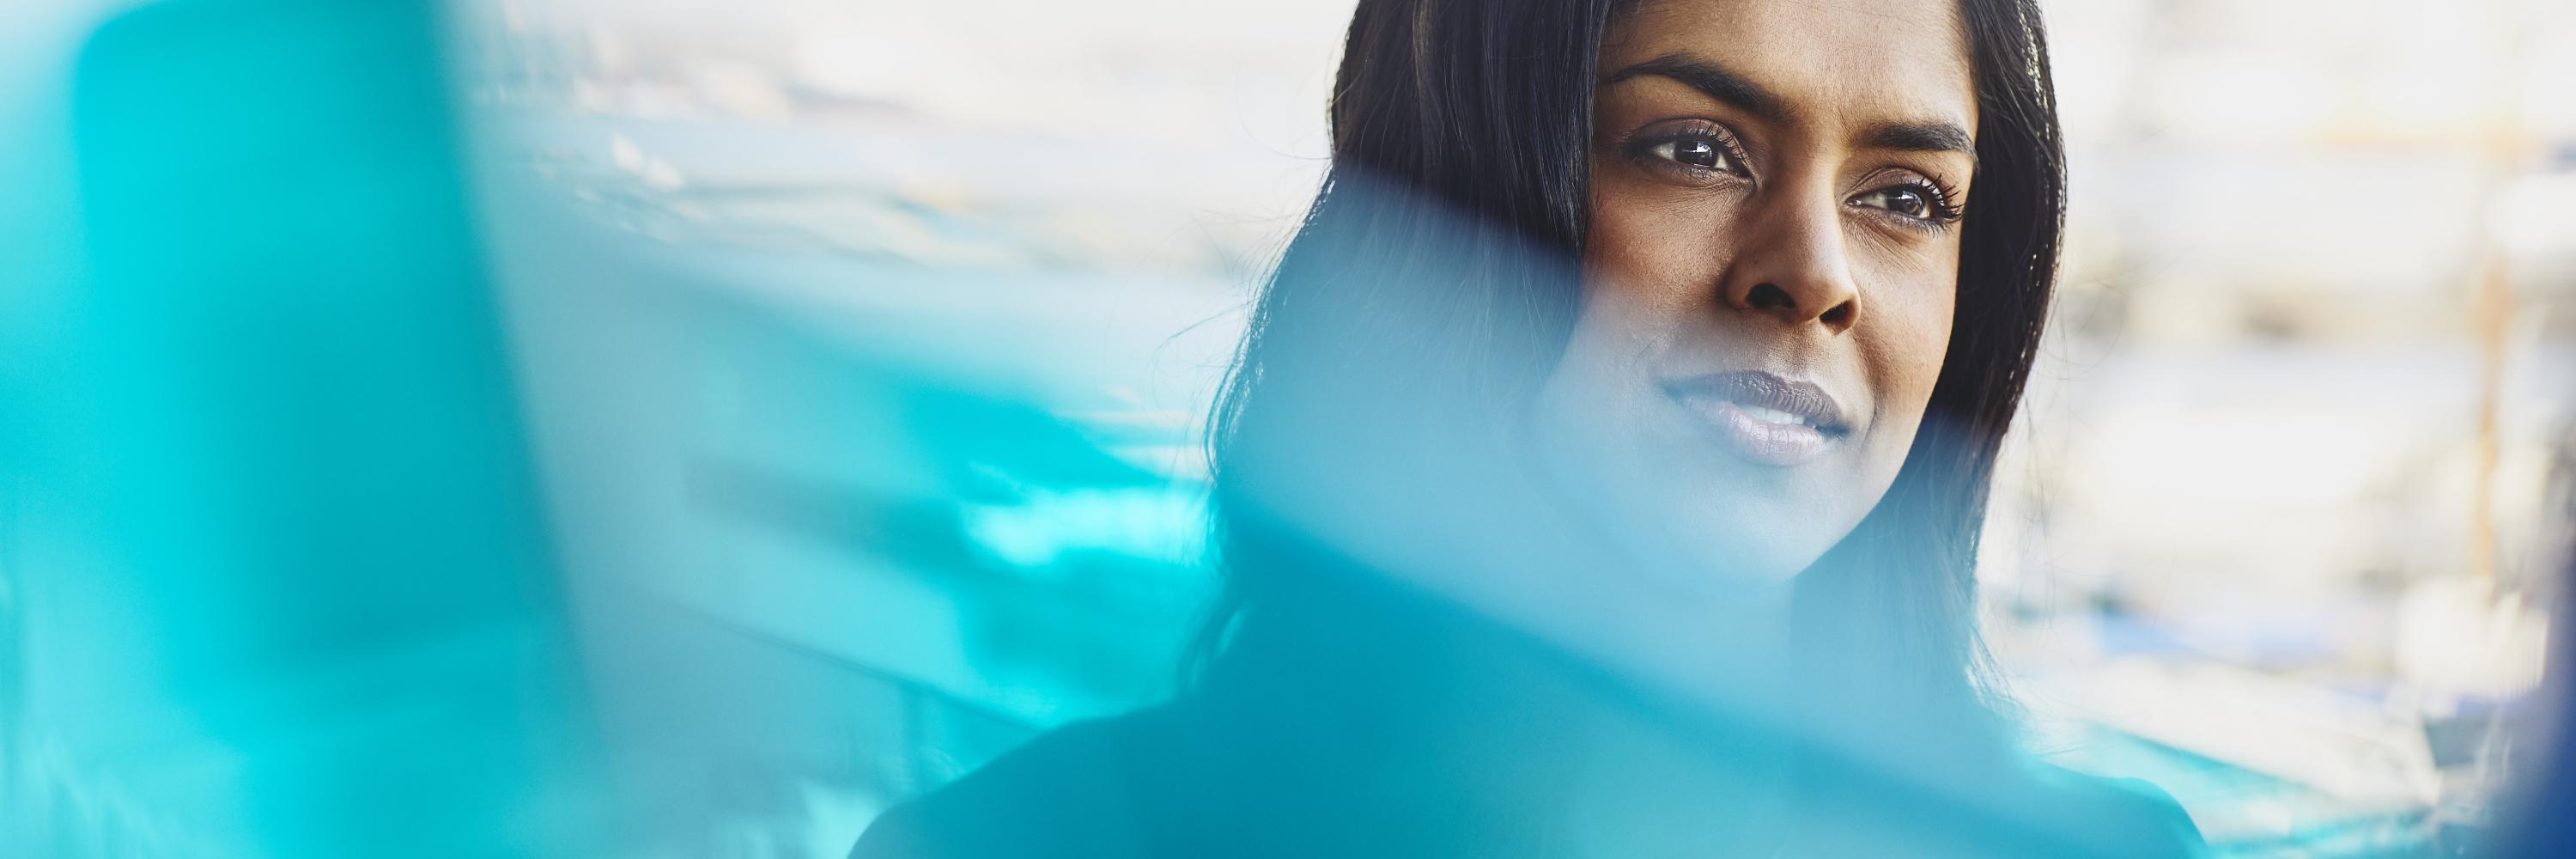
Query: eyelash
pixel 1938 198
pixel 1641 149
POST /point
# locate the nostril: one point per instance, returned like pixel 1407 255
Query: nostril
pixel 1838 317
pixel 1765 296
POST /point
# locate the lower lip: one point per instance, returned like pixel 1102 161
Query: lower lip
pixel 1757 441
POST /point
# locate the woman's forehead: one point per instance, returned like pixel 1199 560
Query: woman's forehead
pixel 1857 61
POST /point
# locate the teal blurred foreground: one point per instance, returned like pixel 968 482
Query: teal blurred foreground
pixel 276 582
pixel 298 558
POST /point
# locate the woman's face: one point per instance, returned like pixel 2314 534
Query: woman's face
pixel 1776 197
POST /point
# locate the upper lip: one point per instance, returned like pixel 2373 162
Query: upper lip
pixel 1756 388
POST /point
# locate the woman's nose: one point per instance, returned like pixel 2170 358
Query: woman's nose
pixel 1792 267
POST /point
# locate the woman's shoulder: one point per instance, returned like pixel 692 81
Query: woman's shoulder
pixel 1064 794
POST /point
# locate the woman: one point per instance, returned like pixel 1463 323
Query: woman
pixel 1603 471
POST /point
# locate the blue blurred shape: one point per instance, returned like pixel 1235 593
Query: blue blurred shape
pixel 283 585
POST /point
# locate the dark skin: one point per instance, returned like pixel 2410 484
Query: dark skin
pixel 1777 187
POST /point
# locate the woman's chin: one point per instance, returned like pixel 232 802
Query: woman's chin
pixel 1719 560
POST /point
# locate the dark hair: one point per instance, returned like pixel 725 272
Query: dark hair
pixel 1447 111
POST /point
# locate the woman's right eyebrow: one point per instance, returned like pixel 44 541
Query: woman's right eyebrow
pixel 1713 80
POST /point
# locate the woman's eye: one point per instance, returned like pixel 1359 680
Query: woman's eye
pixel 1910 202
pixel 1903 201
pixel 1697 152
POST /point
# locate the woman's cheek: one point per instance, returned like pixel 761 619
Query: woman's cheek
pixel 1661 266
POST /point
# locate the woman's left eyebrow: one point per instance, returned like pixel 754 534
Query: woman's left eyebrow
pixel 1932 136
pixel 1712 80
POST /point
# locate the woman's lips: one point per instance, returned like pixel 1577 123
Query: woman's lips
pixel 1763 418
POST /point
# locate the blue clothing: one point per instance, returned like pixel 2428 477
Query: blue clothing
pixel 1139 786
pixel 1387 727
